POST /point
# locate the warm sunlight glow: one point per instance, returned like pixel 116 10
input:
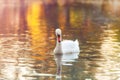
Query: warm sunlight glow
pixel 29 49
pixel 34 13
pixel 116 4
pixel 37 28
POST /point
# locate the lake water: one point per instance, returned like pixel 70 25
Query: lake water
pixel 27 40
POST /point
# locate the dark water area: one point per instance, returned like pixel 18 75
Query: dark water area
pixel 27 40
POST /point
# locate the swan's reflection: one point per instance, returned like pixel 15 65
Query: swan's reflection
pixel 58 59
pixel 64 59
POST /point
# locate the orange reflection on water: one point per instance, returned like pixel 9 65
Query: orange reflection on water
pixel 37 28
pixel 62 19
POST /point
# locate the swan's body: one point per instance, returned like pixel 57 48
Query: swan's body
pixel 65 46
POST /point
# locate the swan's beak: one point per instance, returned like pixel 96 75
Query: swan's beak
pixel 58 36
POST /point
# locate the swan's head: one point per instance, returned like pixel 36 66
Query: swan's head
pixel 58 31
pixel 58 34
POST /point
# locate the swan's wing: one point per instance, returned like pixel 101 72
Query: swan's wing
pixel 69 46
pixel 76 42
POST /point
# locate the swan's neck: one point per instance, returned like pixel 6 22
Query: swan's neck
pixel 59 45
pixel 58 49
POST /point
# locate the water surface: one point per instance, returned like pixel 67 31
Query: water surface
pixel 27 39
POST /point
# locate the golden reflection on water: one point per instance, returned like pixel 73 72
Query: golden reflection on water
pixel 74 16
pixel 37 28
pixel 110 52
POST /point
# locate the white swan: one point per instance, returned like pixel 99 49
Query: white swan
pixel 65 46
